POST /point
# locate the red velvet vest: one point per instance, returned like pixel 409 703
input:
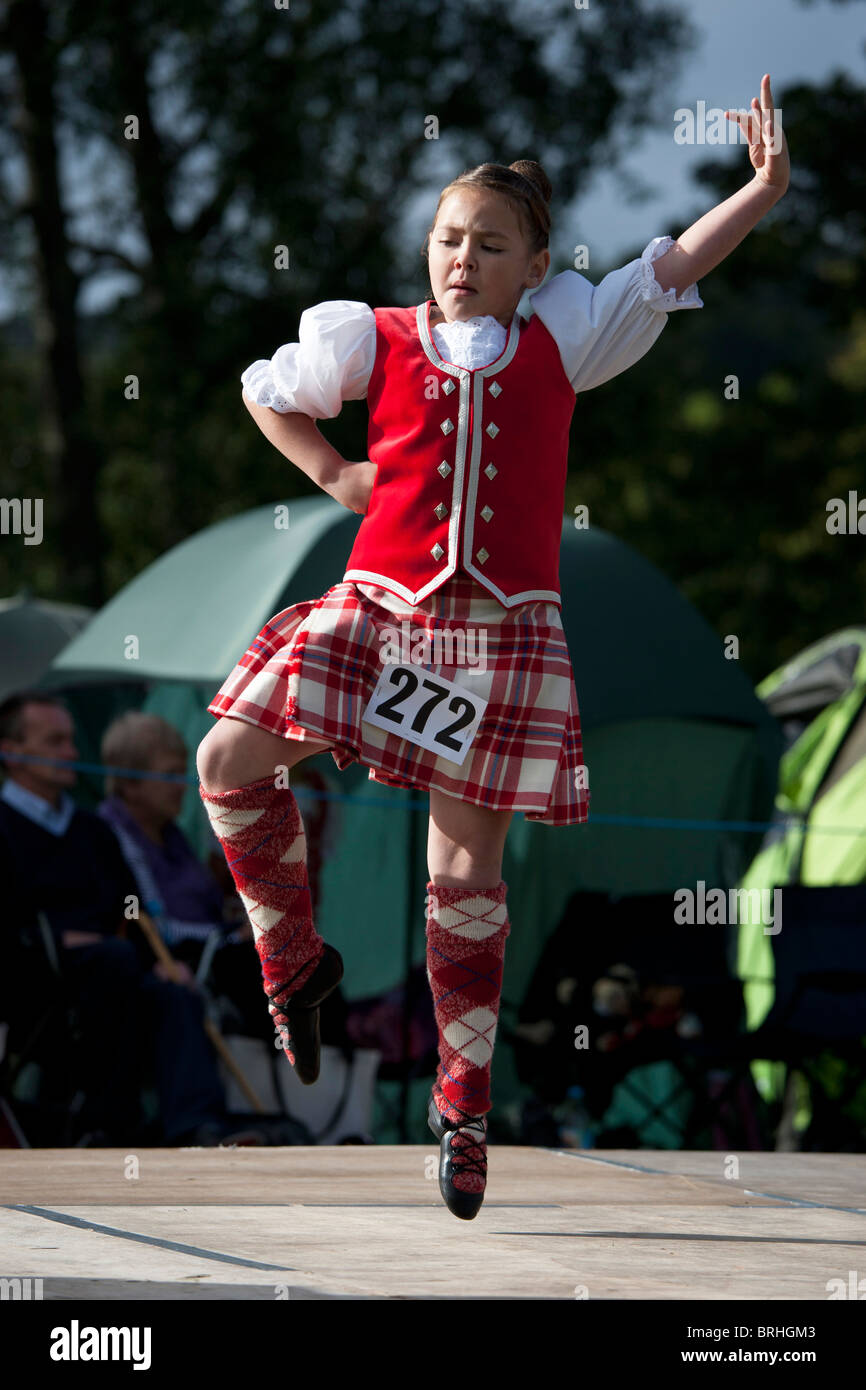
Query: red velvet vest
pixel 471 464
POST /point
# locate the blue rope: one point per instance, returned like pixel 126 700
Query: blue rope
pixel 301 793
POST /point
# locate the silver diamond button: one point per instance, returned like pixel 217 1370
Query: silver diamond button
pixel 437 551
pixel 445 468
pixel 494 388
pixel 448 386
pixel 492 430
pixel 482 555
pixel 447 426
pixel 491 471
pixel 487 513
pixel 441 511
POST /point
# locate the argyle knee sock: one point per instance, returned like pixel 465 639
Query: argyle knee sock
pixel 262 835
pixel 466 933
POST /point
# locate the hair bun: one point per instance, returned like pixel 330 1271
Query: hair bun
pixel 535 174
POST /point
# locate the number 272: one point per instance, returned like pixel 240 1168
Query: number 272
pixel 388 709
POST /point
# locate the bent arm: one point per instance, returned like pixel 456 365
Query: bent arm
pixel 297 437
pixel 713 237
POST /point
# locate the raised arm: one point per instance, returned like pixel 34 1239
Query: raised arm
pixel 714 236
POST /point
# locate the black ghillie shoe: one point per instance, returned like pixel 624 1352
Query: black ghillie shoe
pixel 467 1156
pixel 300 1032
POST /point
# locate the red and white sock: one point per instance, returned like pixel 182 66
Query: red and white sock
pixel 466 933
pixel 262 834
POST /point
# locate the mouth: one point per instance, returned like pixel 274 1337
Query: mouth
pixel 462 289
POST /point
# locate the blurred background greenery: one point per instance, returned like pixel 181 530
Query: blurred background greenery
pixel 304 127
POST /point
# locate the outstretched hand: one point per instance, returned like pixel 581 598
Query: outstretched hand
pixel 768 148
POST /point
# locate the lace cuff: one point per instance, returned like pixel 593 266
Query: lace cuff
pixel 664 301
pixel 258 384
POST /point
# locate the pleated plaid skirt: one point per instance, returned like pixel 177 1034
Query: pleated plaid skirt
pixel 313 668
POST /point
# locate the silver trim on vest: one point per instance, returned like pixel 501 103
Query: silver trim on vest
pixel 467 453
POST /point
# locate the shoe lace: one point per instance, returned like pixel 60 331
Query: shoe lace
pixel 471 1156
pixel 272 991
pixel 281 1022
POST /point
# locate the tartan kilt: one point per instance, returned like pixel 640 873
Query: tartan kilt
pixel 310 673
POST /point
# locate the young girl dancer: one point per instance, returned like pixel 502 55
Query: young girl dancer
pixel 462 495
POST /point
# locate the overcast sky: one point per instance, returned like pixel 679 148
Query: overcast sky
pixel 739 41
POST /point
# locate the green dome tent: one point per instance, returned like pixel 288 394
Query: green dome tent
pixel 819 838
pixel 672 731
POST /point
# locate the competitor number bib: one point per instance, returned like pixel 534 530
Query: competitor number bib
pixel 429 710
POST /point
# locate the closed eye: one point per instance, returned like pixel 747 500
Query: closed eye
pixel 497 250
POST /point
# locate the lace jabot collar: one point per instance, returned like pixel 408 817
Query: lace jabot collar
pixel 470 342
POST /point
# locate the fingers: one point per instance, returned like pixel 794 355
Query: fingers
pixel 757 123
pixel 749 123
pixel 766 94
pixel 767 106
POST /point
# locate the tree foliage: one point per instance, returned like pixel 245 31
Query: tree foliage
pixel 161 151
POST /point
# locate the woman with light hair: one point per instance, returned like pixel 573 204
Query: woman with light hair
pixel 145 789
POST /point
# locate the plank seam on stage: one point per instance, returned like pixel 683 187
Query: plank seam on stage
pixel 614 1162
pixel 163 1244
pixel 666 1173
pixel 801 1202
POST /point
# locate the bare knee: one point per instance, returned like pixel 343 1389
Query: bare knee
pixel 218 757
pixel 207 759
pixel 234 753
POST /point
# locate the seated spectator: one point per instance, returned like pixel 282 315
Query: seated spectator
pixel 65 862
pixel 182 896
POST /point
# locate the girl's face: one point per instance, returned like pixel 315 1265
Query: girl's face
pixel 478 241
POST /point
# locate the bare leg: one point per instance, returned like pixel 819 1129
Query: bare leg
pixel 234 753
pixel 465 842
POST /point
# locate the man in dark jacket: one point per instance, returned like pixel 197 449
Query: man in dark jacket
pixel 64 861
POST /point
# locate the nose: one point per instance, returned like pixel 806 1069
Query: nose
pixel 464 257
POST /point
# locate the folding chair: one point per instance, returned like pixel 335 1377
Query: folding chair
pixel 598 931
pixel 820 1000
pixel 40 1100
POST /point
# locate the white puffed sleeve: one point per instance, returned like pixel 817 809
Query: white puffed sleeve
pixel 330 363
pixel 603 329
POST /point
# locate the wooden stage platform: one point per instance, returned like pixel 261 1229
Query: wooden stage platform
pixel 367 1222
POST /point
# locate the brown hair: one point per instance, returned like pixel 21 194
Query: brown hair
pixel 525 187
